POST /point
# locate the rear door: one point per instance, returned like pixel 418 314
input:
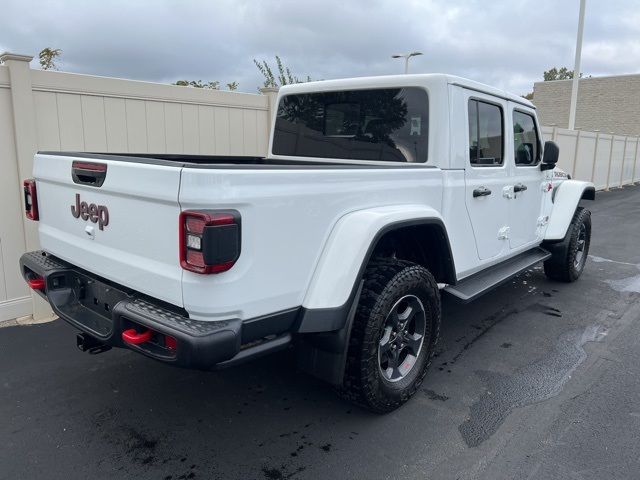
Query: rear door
pixel 486 174
pixel 116 219
pixel 525 207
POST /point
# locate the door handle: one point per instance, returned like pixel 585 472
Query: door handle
pixel 519 187
pixel 481 192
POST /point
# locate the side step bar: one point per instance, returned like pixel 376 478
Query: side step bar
pixel 480 283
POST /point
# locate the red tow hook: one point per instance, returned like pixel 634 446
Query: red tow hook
pixel 136 338
pixel 37 283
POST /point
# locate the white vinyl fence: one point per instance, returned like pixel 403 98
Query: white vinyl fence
pixel 605 159
pixel 45 110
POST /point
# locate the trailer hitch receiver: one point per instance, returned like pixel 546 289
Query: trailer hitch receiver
pixel 86 343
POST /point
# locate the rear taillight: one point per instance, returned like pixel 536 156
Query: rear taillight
pixel 30 199
pixel 209 240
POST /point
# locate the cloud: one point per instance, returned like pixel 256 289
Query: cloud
pixel 505 43
pixel 605 56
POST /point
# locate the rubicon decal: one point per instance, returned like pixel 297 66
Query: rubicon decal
pixel 90 211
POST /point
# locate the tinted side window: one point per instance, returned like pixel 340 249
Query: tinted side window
pixel 486 136
pixel 382 124
pixel 525 139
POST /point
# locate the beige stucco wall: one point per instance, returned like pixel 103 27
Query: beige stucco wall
pixel 608 104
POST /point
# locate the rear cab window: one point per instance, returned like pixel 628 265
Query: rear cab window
pixel 387 124
pixel 486 134
pixel 526 140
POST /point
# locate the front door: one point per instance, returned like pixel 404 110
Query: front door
pixel 525 205
pixel 486 174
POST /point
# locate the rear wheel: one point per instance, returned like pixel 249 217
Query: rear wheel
pixel 569 256
pixel 394 334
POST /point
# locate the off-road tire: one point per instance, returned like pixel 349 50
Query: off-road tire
pixel 385 282
pixel 562 264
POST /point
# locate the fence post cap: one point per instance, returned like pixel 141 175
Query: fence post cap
pixel 266 90
pixel 15 56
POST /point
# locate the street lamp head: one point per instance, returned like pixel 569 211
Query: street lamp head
pixel 406 57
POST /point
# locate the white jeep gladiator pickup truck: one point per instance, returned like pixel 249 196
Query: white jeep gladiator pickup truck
pixel 377 195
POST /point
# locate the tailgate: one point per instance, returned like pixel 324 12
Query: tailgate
pixel 125 230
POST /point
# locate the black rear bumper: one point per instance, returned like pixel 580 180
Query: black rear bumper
pixel 104 310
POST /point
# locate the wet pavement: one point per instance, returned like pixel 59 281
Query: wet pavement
pixel 536 380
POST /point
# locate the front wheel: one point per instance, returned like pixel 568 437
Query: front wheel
pixel 569 256
pixel 393 336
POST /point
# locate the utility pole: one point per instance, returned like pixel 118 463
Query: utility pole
pixel 576 68
pixel 406 57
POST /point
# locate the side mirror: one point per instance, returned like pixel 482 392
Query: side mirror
pixel 550 157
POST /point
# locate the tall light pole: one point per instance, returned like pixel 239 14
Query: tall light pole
pixel 576 68
pixel 406 57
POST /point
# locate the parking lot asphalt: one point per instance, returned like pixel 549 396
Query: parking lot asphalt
pixel 538 379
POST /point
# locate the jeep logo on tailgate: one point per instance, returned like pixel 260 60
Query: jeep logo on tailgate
pixel 96 213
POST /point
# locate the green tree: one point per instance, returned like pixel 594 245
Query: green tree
pixel 555 73
pixel 48 57
pixel 562 73
pixel 283 77
pixel 215 85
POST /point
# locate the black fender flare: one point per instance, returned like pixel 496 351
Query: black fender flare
pixel 322 338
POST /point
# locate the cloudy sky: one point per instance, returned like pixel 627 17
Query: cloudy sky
pixel 504 43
